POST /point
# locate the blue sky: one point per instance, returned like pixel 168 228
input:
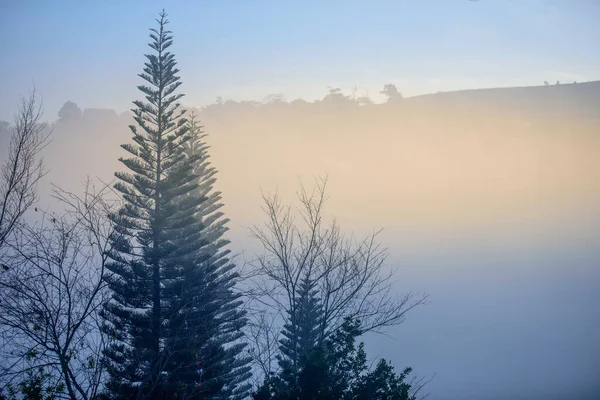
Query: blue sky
pixel 90 52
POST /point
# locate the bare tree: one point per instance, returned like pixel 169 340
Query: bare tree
pixel 23 167
pixel 348 277
pixel 51 290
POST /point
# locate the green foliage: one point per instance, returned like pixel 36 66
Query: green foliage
pixel 337 371
pixel 36 385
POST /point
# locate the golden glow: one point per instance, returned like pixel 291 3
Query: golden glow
pixel 408 167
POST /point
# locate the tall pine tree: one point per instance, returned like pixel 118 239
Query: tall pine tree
pixel 301 333
pixel 213 321
pixel 173 318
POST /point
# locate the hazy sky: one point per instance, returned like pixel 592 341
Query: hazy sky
pixel 90 52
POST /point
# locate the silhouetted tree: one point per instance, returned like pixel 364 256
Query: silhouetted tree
pixel 209 318
pixel 301 332
pixel 336 98
pixel 315 278
pixel 69 111
pixel 173 312
pixel 338 371
pixel 391 92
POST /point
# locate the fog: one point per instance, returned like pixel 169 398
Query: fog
pixel 488 198
pixel 493 212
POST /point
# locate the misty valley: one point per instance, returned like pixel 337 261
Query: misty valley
pixel 353 245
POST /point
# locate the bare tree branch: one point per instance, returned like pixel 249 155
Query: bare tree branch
pixel 51 291
pixel 23 168
pixel 349 276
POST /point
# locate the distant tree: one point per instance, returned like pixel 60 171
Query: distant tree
pixel 69 111
pixel 391 92
pixel 336 97
pixel 338 371
pixel 546 83
pixel 335 93
pixel 173 317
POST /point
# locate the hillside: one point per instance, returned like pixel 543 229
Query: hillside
pixel 573 99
